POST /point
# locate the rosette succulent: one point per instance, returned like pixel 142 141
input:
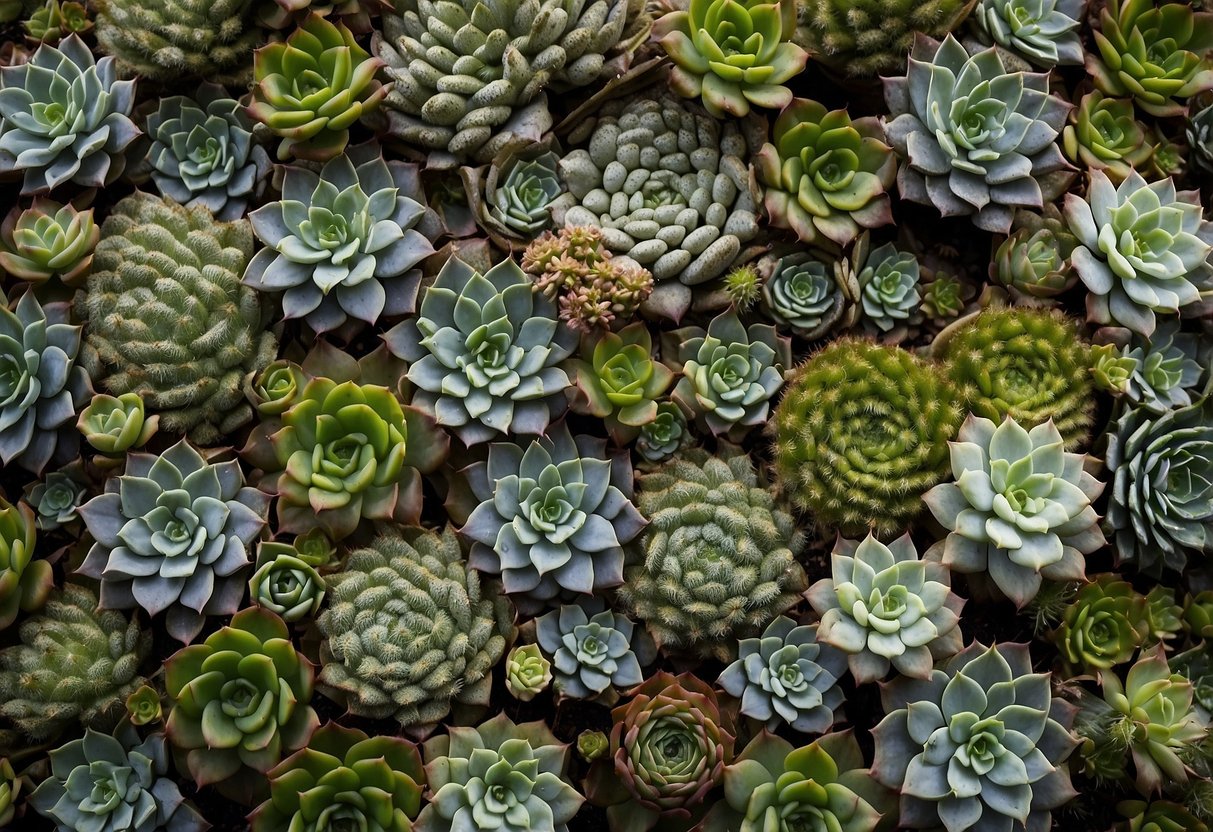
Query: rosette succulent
pixel 527 672
pixel 172 535
pixel 1104 134
pixel 10 791
pixel 343 243
pixel 143 707
pixel 519 192
pixel 1034 260
pixel 1200 138
pixel 24 581
pixel 665 435
pixel 883 606
pixel 979 745
pixel 1020 508
pixel 888 285
pixel 1143 250
pixel 803 293
pixel 276 388
pixel 1112 370
pixel 552 516
pixel 619 382
pixel 1157 816
pixel 591 649
pixel 1169 366
pixel 1103 626
pixel 285 584
pixel 592 745
pixel 56 498
pixel 48 240
pixel 1044 32
pixel 64 118
pixel 484 351
pixel 112 425
pixel 786 675
pixel 976 139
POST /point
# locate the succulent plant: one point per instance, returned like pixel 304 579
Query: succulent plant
pixel 172 535
pixel 1161 503
pixel 1111 369
pixel 484 352
pixel 527 672
pixel 1158 54
pixel 1044 32
pixel 75 663
pixel 1104 134
pixel 410 631
pixel 55 499
pixel 1163 614
pixel 803 293
pixel 592 745
pixel 143 707
pixel 945 296
pixel 1200 137
pixel 592 649
pixel 311 88
pixel 1198 615
pixel 1030 364
pixel 669 187
pixel 888 284
pixel 343 243
pixel 25 582
pixel 1103 626
pixel 11 787
pixel 976 139
pixel 861 434
pixel 286 584
pixel 1157 816
pixel 344 779
pixel 519 191
pixel 113 425
pixel 826 174
pixel 114 782
pixel 203 152
pixel 619 381
pixel 979 745
pixel 665 435
pixel 719 556
pixel 168 319
pixel 1170 365
pixel 552 516
pixel 64 118
pixel 1034 260
pixel 1143 250
pixel 48 240
pixel 885 607
pixel 743 286
pixel 669 745
pixel 498 775
pixel 276 388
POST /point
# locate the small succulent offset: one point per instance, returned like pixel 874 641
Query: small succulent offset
pixel 979 745
pixel 885 607
pixel 1104 134
pixel 619 381
pixel 276 388
pixel 786 675
pixel 1020 508
pixel 172 534
pixel 592 745
pixel 889 288
pixel 112 425
pixel 48 240
pixel 1169 366
pixel 55 499
pixel 55 20
pixel 143 707
pixel 64 118
pixel 285 584
pixel 114 782
pixel 343 243
pixel 519 193
pixel 1033 262
pixel 1112 370
pixel 1200 138
pixel 802 292
pixel 25 582
pixel 527 672
pixel 11 787
pixel 591 649
pixel 1157 816
pixel 977 140
pixel 1044 32
pixel 665 435
pixel 1103 626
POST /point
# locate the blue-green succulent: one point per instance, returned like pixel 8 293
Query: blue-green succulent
pixel 591 649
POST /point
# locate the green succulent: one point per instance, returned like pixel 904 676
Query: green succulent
pixel 143 706
pixel 1143 250
pixel 48 240
pixel 861 434
pixel 276 388
pixel 743 286
pixel 803 293
pixel 592 745
pixel 946 296
pixel 884 607
pixel 356 14
pixel 1170 365
pixel 1104 625
pixel 1198 615
pixel 10 791
pixel 1163 614
pixel 1104 134
pixel 619 381
pixel 1200 137
pixel 1111 369
pixel 719 557
pixel 593 649
pixel 53 21
pixel 976 139
pixel 1034 260
pixel 314 548
pixel 113 425
pixel 527 672
pixel 665 435
pixel 1156 53
pixel 889 288
pixel 484 352
pixel 1041 31
pixel 344 779
pixel 980 745
pixel 25 582
pixel 286 584
pixel 519 192
pixel 114 782
pixel 410 631
pixel 1157 816
pixel 55 499
pixel 75 663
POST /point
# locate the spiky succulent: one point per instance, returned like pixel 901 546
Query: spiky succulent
pixel 25 582
pixel 665 435
pixel 719 557
pixel 410 631
pixel 669 187
pixel 1034 260
pixel 976 139
pixel 519 190
pixel 884 607
pixel 168 319
pixel 1170 365
pixel 592 649
pixel 1044 32
pixel 527 672
pixel 64 118
pixel 75 663
pixel 802 292
pixel 980 745
pixel 285 584
pixel 1104 134
pixel 112 425
pixel 1103 626
pixel 56 497
pixel 484 351
pixel 172 535
pixel 48 240
pixel 1144 250
pixel 618 381
pixel 861 434
pixel 888 285
pixel 203 152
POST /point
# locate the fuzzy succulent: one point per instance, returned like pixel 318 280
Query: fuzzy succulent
pixel 55 499
pixel 527 672
pixel 665 435
pixel 976 139
pixel 885 607
pixel 1044 32
pixel 980 745
pixel 410 631
pixel 1104 134
pixel 889 288
pixel 1034 260
pixel 591 649
pixel 1170 365
pixel 484 352
pixel 619 381
pixel 25 582
pixel 719 557
pixel 75 663
pixel 112 425
pixel 1103 626
pixel 48 240
pixel 861 434
pixel 286 584
pixel 801 292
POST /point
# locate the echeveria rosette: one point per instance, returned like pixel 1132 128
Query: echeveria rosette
pixel 885 607
pixel 1111 370
pixel 143 706
pixel 25 582
pixel 665 435
pixel 889 288
pixel 591 649
pixel 112 425
pixel 240 703
pixel 802 292
pixel 343 243
pixel 1200 137
pixel 1033 262
pixel 10 790
pixel 56 498
pixel 553 516
pixel 1044 32
pixel 286 584
pixel 1155 52
pixel 1103 625
pixel 730 372
pixel 1170 365
pixel 64 117
pixel 1020 508
pixel 48 240
pixel 114 783
pixel 484 352
pixel 979 745
pixel 787 676
pixel 1144 249
pixel 172 535
pixel 619 381
pixel 344 779
pixel 527 672
pixel 498 775
pixel 1104 134
pixel 826 174
pixel 732 53
pixel 975 139
pixel 519 189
